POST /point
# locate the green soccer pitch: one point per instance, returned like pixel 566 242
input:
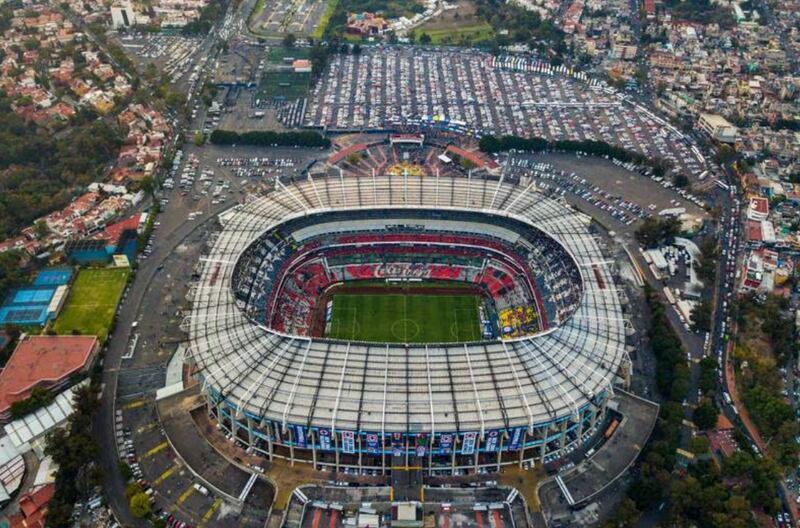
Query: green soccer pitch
pixel 92 302
pixel 411 318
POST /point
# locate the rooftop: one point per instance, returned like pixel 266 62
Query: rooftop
pixel 43 361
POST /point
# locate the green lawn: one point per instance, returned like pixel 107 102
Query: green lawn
pixel 276 54
pixel 286 84
pixel 92 301
pixel 465 35
pixel 319 31
pixel 408 318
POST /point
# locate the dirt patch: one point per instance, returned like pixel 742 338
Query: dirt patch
pixel 526 481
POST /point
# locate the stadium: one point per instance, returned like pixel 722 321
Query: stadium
pixel 364 322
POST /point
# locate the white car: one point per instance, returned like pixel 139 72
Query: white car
pixel 201 489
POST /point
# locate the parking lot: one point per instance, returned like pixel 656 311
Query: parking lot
pixel 203 181
pixel 613 192
pixel 280 17
pixel 174 55
pixel 396 86
pixel 177 495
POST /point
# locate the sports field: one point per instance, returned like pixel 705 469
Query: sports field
pixel 405 318
pixel 288 84
pixel 92 301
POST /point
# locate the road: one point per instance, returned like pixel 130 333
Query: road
pixel 724 330
pixel 167 240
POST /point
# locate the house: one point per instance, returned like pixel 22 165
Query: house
pixel 301 66
pixel 758 209
pixel 366 24
pixel 33 507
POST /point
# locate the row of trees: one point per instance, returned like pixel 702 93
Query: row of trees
pixel 39 398
pixel 493 144
pixel 75 452
pixel 706 268
pixel 212 12
pixel 303 138
pixel 672 373
pixel 658 459
pixel 11 272
pixel 704 495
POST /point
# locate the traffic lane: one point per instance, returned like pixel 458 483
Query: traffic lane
pixel 104 425
pixel 117 345
pixel 140 381
pixel 163 307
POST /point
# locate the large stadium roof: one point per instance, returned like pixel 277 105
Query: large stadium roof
pixel 393 387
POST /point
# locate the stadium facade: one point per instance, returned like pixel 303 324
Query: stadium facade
pixel 526 393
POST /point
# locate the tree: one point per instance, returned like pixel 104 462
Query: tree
pixel 701 316
pixel 75 452
pixel 41 228
pixel 705 415
pixel 656 232
pixel 125 470
pixel 680 180
pixel 133 488
pixel 140 506
pixel 626 515
pixel 289 40
pixel 706 265
pixel 708 375
pixel 39 398
pixel 424 39
pixel 699 445
pixel 148 185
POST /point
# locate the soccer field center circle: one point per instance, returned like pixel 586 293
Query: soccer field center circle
pixel 401 327
pixel 271 378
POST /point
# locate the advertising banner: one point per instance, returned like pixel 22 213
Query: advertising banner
pixel 373 443
pixel 398 444
pixel 325 439
pixel 446 443
pixel 468 443
pixel 515 441
pixel 348 442
pixel 492 440
pixel 422 444
pixel 299 436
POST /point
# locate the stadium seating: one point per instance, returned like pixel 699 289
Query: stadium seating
pixel 280 281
